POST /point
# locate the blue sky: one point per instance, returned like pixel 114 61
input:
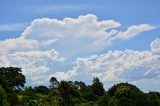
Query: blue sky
pixel 117 41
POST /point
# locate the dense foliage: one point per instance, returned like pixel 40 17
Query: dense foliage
pixel 69 93
pixel 14 77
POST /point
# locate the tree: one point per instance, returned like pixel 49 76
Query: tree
pixel 68 93
pixel 54 82
pixel 104 100
pixel 28 95
pixel 3 97
pixel 54 97
pixel 81 86
pixel 63 89
pixel 5 84
pixel 153 98
pixel 89 96
pixel 97 87
pixel 41 89
pixel 13 76
pixel 125 94
pixel 12 99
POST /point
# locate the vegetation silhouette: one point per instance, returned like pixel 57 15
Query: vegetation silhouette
pixel 68 93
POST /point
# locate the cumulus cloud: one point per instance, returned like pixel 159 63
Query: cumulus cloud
pixel 83 31
pixel 50 54
pixel 127 65
pixel 46 41
pixel 18 43
pixel 27 54
pixel 155 46
pixel 12 45
pixel 64 75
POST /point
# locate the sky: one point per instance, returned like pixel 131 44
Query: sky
pixel 114 40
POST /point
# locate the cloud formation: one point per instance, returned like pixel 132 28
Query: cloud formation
pixel 47 41
pixel 64 75
pixel 133 31
pixel 128 65
pixel 138 67
pixel 87 29
pixel 12 27
pixel 155 46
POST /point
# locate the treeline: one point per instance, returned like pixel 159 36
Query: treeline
pixel 69 93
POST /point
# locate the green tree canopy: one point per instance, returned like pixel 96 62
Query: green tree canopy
pixel 41 89
pixel 97 87
pixel 3 97
pixel 81 86
pixel 4 84
pixel 153 98
pixel 13 76
pixel 125 94
pixel 68 93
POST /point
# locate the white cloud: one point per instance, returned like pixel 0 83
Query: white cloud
pixel 64 75
pixel 27 54
pixel 50 54
pixel 49 42
pixel 12 27
pixel 18 43
pixel 115 66
pixel 10 46
pixel 155 46
pixel 85 32
pixel 46 41
pixel 39 79
pixel 69 31
pixel 134 31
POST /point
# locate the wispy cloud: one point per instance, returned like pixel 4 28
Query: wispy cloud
pixel 13 27
pixel 58 8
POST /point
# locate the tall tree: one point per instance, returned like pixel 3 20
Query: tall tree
pixel 63 89
pixel 81 86
pixel 97 87
pixel 13 76
pixel 68 93
pixel 54 82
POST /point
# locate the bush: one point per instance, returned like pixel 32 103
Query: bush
pixel 3 97
pixel 125 94
pixel 90 96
